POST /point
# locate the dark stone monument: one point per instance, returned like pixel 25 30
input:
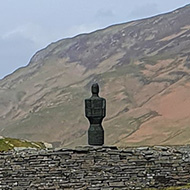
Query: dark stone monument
pixel 95 111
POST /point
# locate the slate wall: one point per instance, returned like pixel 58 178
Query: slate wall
pixel 95 168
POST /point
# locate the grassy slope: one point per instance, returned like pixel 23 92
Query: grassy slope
pixel 7 144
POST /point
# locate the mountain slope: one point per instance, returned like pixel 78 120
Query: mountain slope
pixel 143 71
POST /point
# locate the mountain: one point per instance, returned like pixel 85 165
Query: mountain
pixel 143 70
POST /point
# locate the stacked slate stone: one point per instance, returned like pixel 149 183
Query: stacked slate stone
pixel 95 168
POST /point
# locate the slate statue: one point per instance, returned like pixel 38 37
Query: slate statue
pixel 95 111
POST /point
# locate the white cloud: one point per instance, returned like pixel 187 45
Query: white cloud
pixel 105 13
pixel 83 28
pixel 15 52
pixel 141 11
pixel 30 31
pixel 40 36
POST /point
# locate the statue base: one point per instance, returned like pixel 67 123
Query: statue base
pixel 96 135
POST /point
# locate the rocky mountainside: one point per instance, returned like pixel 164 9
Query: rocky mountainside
pixel 143 70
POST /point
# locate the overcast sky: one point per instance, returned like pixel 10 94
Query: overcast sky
pixel 29 25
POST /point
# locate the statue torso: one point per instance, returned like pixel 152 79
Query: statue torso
pixel 95 109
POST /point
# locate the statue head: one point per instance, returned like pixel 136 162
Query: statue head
pixel 95 89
